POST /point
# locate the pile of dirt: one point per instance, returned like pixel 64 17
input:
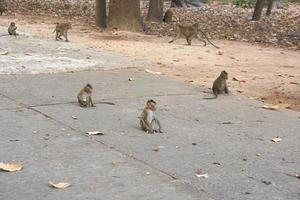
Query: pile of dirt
pixel 281 29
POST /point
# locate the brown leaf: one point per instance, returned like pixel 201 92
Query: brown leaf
pixel 10 167
pixel 60 185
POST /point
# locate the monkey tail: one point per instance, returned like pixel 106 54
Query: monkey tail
pixel 109 103
pixel 208 39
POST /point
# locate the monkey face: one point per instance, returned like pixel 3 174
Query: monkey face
pixel 224 75
pixel 12 24
pixel 151 104
pixel 88 90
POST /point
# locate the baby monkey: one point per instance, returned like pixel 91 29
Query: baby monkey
pixel 220 84
pixel 85 96
pixel 62 29
pixel 12 29
pixel 148 121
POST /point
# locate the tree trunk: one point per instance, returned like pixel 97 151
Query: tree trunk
pixel 125 15
pixel 101 13
pixel 270 6
pixel 258 10
pixel 156 10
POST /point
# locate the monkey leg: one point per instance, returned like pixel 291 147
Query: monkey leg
pixel 200 39
pixel 56 36
pixel 146 127
pixel 216 92
pixel 226 90
pixel 175 38
pixel 157 123
pixel 66 36
pixel 189 40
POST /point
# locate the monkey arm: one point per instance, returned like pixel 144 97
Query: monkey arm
pixel 226 89
pixel 159 124
pixel 92 104
pixel 81 100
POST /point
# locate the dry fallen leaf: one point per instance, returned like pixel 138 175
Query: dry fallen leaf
pixel 202 175
pixel 277 106
pixel 152 72
pixel 277 139
pixel 217 163
pixel 131 79
pixel 227 123
pixel 61 185
pixel 10 167
pixel 220 53
pixel 188 81
pixel 95 133
pixel 3 52
pixel 294 175
pixel 284 105
pixel 270 107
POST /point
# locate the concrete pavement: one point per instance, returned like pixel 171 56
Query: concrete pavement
pixel 37 110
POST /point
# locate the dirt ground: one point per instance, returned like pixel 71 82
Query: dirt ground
pixel 267 74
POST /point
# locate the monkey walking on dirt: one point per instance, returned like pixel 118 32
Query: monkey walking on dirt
pixel 190 32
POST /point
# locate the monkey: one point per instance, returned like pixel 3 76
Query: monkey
pixel 2 8
pixel 61 29
pixel 220 85
pixel 85 96
pixel 190 32
pixel 12 29
pixel 148 120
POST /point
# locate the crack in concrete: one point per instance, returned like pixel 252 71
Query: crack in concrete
pixel 109 146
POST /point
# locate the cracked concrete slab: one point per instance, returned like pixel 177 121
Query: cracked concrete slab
pixel 63 88
pixel 51 151
pixel 243 167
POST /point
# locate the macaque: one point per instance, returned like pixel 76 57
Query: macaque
pixel 85 96
pixel 12 29
pixel 2 8
pixel 148 121
pixel 190 32
pixel 62 29
pixel 220 85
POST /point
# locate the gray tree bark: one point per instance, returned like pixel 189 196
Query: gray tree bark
pixel 125 15
pixel 156 10
pixel 258 10
pixel 101 16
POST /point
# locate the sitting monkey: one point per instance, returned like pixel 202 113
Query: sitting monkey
pixel 85 96
pixel 148 121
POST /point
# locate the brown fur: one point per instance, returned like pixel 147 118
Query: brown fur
pixel 190 32
pixel 220 84
pixel 12 29
pixel 85 96
pixel 62 29
pixel 148 120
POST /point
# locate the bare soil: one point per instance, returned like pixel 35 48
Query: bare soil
pixel 265 73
